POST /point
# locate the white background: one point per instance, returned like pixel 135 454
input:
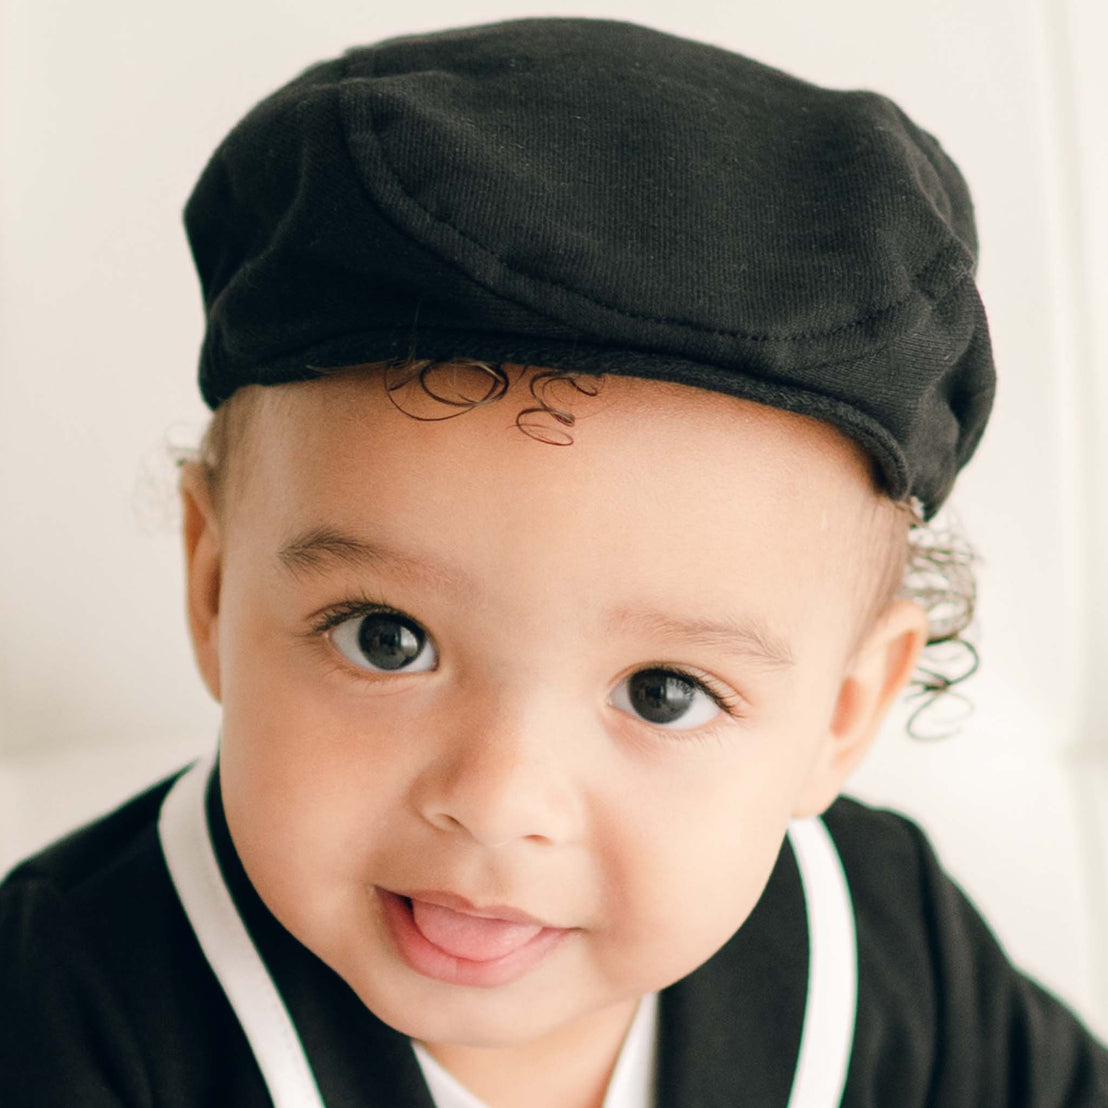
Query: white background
pixel 110 111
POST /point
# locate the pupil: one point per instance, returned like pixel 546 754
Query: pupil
pixel 387 642
pixel 660 697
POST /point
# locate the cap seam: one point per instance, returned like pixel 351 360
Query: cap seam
pixel 646 351
pixel 751 336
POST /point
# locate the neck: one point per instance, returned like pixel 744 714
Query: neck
pixel 568 1068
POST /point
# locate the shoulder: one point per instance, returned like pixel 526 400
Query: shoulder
pixel 888 860
pixel 936 993
pixel 99 965
pixel 98 901
pixel 104 884
pixel 898 1028
pixel 897 882
pixel 895 885
pixel 115 1002
pixel 866 833
pixel 78 862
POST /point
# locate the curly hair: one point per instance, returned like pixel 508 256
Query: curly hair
pixel 939 576
pixel 932 564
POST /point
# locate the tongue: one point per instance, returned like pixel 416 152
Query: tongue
pixel 473 937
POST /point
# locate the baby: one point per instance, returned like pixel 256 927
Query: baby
pixel 576 388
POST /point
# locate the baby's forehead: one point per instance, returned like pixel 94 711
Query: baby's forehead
pixel 621 431
pixel 593 408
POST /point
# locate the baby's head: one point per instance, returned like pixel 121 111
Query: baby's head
pixel 588 676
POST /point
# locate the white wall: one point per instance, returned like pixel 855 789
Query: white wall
pixel 111 109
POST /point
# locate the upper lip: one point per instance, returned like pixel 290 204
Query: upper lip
pixel 458 903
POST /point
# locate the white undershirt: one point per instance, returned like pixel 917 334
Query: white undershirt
pixel 631 1086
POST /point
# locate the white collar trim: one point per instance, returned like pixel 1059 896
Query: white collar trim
pixel 829 1015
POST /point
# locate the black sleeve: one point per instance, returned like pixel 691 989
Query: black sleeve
pixel 63 1041
pixel 1002 1038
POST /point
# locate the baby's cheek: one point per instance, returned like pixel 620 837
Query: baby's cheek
pixel 683 898
pixel 296 834
pixel 673 937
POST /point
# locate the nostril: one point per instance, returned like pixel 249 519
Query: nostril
pixel 444 821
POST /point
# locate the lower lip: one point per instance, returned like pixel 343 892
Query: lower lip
pixel 432 961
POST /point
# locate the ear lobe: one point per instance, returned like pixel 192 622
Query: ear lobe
pixel 874 679
pixel 203 572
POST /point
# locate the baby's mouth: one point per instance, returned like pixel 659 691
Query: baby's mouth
pixel 472 936
pixel 448 938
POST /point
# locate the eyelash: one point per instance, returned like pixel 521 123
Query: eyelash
pixel 364 605
pixel 356 606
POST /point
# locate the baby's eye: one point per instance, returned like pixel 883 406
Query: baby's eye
pixel 661 696
pixel 384 642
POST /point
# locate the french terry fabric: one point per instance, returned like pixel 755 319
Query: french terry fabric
pixel 106 1000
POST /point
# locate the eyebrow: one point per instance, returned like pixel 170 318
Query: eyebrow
pixel 747 638
pixel 322 549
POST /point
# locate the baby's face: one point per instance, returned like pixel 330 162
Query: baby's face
pixel 466 674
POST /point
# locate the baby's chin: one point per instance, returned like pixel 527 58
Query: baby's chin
pixel 549 998
pixel 491 1019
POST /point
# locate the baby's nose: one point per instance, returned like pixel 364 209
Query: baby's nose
pixel 503 777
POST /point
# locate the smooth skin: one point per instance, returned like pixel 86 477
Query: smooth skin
pixel 508 763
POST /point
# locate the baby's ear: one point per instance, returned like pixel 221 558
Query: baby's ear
pixel 203 571
pixel 872 681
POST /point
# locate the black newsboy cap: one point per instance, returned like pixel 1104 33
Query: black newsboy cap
pixel 596 195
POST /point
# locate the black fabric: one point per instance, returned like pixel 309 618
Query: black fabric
pixel 595 195
pixel 106 1001
pixel 357 1060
